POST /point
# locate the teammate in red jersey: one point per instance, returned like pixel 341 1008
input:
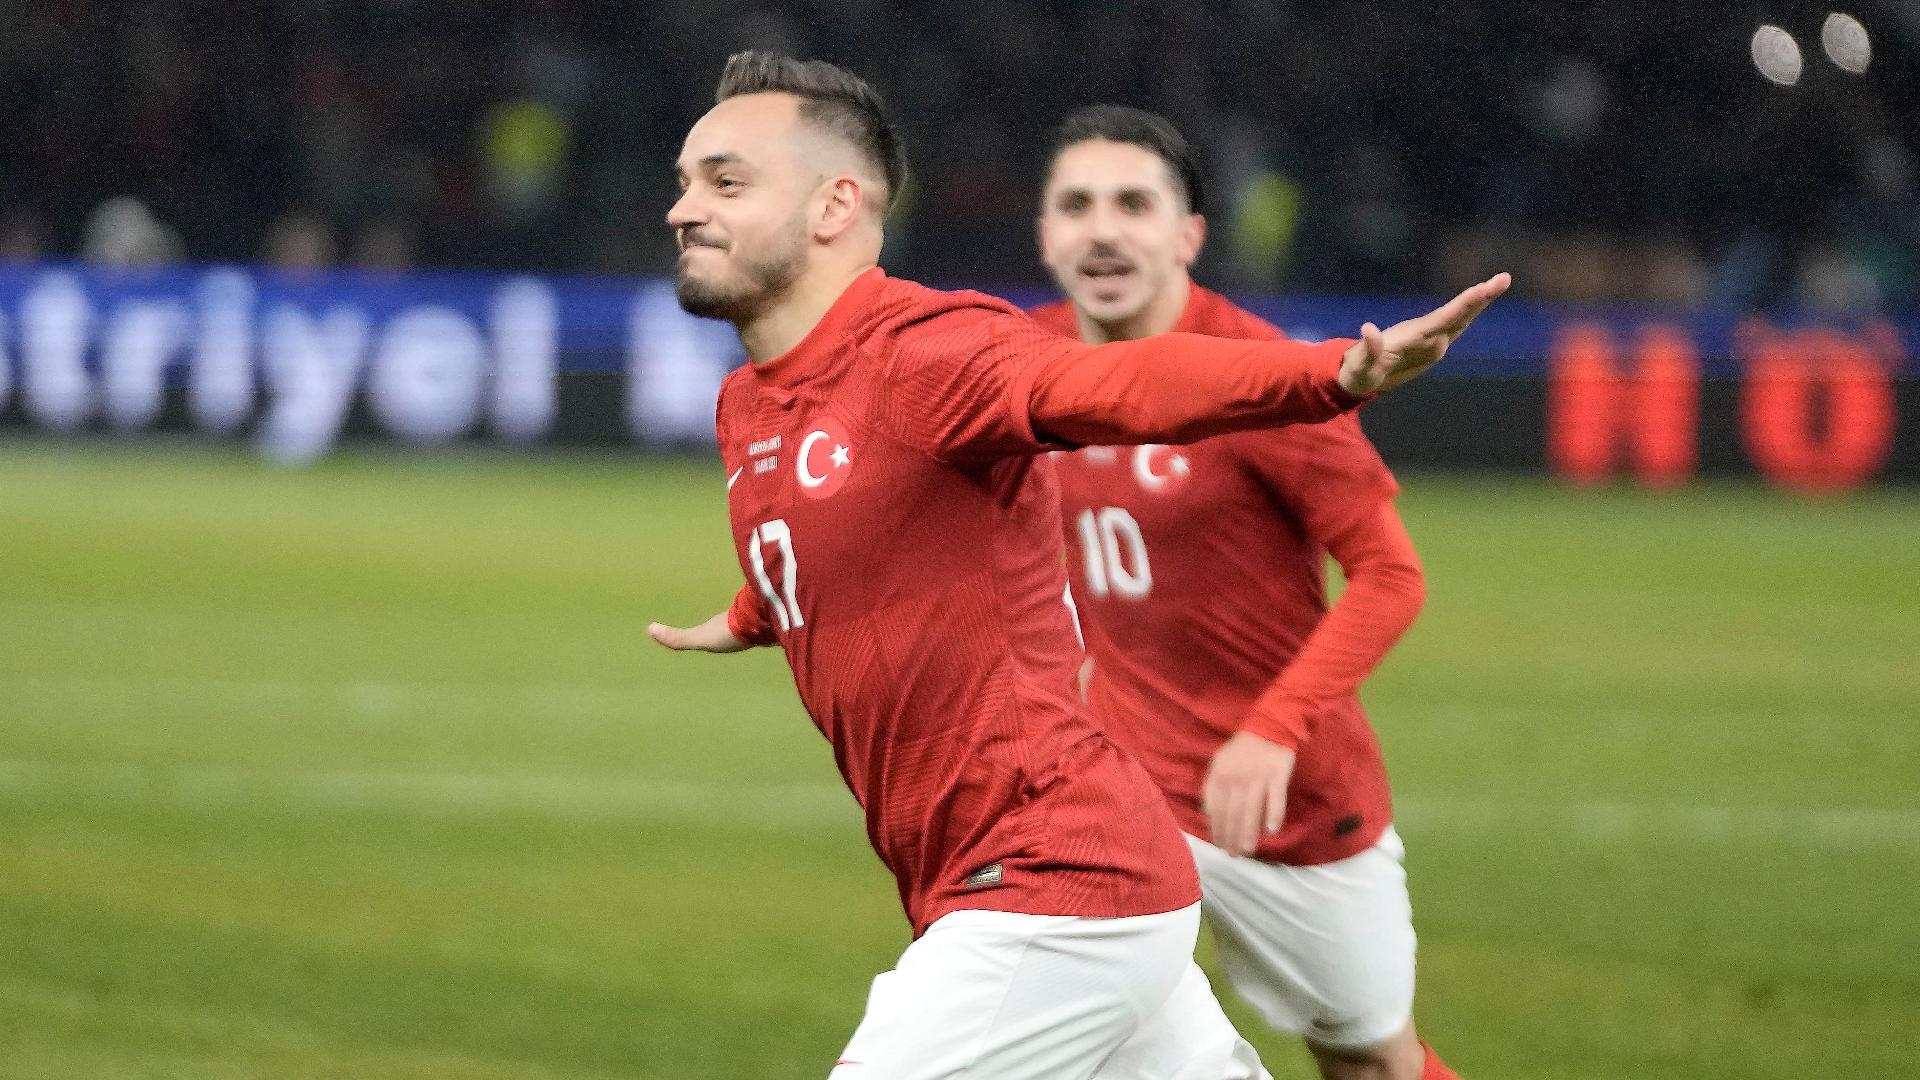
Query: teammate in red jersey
pixel 1215 660
pixel 897 524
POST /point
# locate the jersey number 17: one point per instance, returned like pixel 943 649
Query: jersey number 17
pixel 784 601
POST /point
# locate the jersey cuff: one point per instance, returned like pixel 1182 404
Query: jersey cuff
pixel 750 633
pixel 1283 722
pixel 1337 393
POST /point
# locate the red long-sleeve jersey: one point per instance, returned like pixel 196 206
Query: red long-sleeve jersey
pixel 898 526
pixel 1199 573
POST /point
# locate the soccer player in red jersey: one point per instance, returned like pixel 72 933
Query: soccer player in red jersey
pixel 1214 658
pixel 897 524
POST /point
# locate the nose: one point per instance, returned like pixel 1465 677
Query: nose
pixel 1103 223
pixel 686 212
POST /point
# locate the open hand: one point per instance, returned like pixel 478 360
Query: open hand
pixel 711 636
pixel 1384 359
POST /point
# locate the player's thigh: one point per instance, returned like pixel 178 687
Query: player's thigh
pixel 997 994
pixel 1190 1038
pixel 1325 952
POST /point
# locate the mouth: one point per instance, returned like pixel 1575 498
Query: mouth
pixel 1102 270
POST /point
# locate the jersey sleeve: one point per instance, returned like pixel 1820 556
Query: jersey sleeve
pixel 1385 591
pixel 976 383
pixel 955 387
pixel 747 619
pixel 1329 476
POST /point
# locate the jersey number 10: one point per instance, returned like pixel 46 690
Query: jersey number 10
pixel 1103 535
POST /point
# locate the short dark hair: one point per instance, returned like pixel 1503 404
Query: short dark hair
pixel 1152 133
pixel 832 98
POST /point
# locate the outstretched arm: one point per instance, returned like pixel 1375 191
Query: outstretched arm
pixel 980 381
pixel 1180 388
pixel 1176 388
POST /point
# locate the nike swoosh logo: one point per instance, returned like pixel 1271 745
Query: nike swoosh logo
pixel 735 476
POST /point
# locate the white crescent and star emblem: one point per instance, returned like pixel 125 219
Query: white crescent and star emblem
pixel 1156 466
pixel 824 460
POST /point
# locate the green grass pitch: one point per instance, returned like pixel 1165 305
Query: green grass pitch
pixel 369 771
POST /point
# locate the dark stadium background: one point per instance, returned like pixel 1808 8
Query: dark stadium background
pixel 349 438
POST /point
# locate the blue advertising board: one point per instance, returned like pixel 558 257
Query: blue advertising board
pixel 295 361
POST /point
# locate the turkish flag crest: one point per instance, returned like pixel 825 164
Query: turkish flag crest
pixel 824 459
pixel 1160 468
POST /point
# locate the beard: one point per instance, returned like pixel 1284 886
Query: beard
pixel 749 286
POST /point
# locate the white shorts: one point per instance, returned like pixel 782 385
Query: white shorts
pixel 1325 952
pixel 995 995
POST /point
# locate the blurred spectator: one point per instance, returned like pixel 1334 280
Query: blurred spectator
pixel 1883 224
pixel 1670 273
pixel 1832 281
pixel 1259 206
pixel 382 244
pixel 526 145
pixel 122 232
pixel 20 236
pixel 1366 240
pixel 1613 162
pixel 299 243
pixel 1580 266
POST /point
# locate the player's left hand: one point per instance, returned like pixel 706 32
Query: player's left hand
pixel 1384 359
pixel 1246 792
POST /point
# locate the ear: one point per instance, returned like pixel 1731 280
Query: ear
pixel 1193 236
pixel 837 206
pixel 1040 238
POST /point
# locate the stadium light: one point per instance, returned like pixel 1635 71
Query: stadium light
pixel 1846 43
pixel 1777 55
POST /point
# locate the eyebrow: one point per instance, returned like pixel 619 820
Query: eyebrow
pixel 711 161
pixel 1087 192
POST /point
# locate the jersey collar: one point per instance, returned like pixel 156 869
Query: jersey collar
pixel 821 347
pixel 1197 316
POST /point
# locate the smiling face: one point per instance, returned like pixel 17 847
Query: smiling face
pixel 1116 231
pixel 742 220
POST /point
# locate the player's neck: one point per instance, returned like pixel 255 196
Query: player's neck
pixel 1161 315
pixel 787 323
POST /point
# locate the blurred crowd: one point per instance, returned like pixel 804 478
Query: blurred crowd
pixel 1624 151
